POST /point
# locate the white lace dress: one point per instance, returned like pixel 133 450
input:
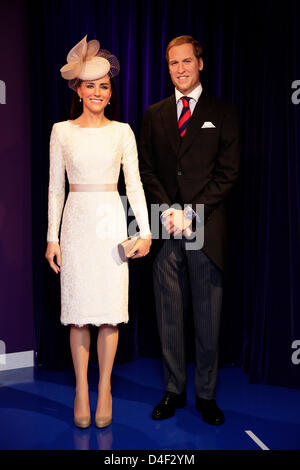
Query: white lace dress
pixel 94 281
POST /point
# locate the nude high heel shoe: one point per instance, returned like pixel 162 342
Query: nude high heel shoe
pixel 83 422
pixel 103 422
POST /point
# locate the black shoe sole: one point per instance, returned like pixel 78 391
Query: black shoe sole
pixel 222 421
pixel 180 406
pixel 214 423
pixel 157 418
pixel 160 418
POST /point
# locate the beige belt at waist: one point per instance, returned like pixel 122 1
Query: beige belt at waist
pixel 93 187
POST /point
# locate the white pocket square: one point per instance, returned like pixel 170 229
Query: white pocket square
pixel 207 124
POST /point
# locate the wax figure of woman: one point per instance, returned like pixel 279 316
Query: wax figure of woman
pixel 94 280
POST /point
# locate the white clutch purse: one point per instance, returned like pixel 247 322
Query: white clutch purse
pixel 125 246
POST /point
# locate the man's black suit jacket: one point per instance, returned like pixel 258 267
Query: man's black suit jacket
pixel 203 166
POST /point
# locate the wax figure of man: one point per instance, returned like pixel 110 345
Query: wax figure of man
pixel 189 154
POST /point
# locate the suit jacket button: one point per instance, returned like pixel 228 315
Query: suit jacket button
pixel 180 172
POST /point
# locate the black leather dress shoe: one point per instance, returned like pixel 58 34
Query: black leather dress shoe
pixel 210 411
pixel 168 405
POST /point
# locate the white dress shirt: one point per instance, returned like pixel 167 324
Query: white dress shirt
pixel 194 95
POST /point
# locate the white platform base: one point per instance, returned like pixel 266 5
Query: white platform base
pixel 16 360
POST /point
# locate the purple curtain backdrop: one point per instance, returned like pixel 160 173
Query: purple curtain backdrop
pixel 250 51
pixel 16 310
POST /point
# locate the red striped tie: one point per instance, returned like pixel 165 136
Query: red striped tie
pixel 184 116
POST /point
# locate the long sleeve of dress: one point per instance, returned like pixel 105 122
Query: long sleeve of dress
pixel 134 187
pixel 56 194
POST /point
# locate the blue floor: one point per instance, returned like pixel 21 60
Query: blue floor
pixel 36 412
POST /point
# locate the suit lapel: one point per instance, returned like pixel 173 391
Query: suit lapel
pixel 169 118
pixel 198 117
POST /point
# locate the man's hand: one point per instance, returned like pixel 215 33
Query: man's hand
pixel 175 222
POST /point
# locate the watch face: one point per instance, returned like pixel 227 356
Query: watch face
pixel 188 212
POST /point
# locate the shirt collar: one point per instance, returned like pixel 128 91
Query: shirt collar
pixel 195 94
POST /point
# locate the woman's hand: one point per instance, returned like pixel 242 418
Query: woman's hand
pixel 141 248
pixel 53 250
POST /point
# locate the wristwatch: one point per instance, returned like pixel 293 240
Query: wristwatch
pixel 189 213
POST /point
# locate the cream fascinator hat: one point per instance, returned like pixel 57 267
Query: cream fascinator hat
pixel 86 61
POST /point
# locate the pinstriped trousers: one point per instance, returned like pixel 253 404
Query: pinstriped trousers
pixel 177 272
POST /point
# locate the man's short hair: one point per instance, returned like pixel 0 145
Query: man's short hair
pixel 198 51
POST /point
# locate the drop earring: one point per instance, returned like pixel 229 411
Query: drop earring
pixel 80 100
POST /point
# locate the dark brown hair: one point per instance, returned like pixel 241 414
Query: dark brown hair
pixel 110 111
pixel 198 51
